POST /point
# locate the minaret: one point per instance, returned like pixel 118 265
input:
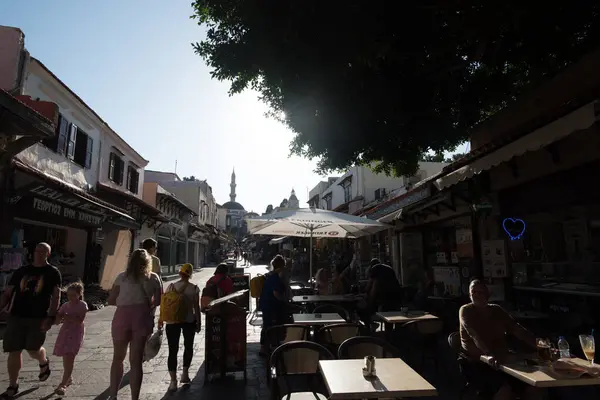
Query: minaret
pixel 232 185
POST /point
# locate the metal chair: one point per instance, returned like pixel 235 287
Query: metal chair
pixel 424 334
pixel 294 371
pixel 332 336
pixel 278 334
pixel 362 346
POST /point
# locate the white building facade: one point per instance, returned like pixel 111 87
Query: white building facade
pixel 54 189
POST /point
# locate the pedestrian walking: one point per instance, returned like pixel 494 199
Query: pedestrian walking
pixel 35 294
pixel 180 312
pixel 136 293
pixel 151 246
pixel 70 337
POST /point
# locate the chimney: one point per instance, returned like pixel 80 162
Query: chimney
pixel 13 59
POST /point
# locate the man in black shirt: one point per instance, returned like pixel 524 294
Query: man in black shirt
pixel 35 294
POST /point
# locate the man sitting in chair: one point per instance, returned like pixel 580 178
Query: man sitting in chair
pixel 483 329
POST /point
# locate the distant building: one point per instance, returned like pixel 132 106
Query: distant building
pixel 234 213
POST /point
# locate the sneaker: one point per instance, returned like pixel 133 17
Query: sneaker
pixel 173 386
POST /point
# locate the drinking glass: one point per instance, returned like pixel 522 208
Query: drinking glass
pixel 544 351
pixel 588 346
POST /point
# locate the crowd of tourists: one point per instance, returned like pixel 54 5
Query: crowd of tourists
pixel 33 296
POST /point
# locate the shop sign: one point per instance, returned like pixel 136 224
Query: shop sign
pixel 66 199
pixel 514 227
pixel 61 211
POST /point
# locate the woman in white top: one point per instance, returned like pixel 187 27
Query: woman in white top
pixel 136 293
pixel 190 326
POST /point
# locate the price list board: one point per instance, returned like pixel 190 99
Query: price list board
pixel 225 345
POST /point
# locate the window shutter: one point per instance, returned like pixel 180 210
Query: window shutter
pixel 72 141
pixel 111 167
pixel 136 181
pixel 89 152
pixel 63 133
pixel 121 169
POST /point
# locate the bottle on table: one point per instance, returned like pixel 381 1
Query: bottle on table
pixel 563 348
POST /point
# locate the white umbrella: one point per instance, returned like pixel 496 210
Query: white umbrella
pixel 313 222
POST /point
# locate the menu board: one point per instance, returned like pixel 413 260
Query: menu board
pixel 242 282
pixel 447 281
pixel 225 344
pixel 493 255
pixel 464 243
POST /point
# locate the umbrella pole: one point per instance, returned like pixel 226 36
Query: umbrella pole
pixel 310 254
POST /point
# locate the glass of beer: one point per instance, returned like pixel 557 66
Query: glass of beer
pixel 588 346
pixel 544 350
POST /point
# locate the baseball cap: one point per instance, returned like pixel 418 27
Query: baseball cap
pixel 186 269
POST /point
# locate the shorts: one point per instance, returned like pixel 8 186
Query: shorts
pixel 131 322
pixel 23 334
pixel 490 379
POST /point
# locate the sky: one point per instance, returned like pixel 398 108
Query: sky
pixel 132 62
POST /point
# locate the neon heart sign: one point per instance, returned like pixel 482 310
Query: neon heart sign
pixel 514 228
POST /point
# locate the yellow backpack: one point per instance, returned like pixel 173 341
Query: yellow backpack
pixel 256 286
pixel 173 306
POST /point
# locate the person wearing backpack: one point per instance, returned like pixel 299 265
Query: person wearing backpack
pixel 180 312
pixel 273 300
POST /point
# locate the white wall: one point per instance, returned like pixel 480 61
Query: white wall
pixel 110 140
pixel 40 84
pixel 365 182
pixel 221 218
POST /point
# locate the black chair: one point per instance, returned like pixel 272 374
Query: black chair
pixel 332 336
pixel 476 388
pixel 362 346
pixel 294 371
pixel 423 335
pixel 332 308
pixel 278 334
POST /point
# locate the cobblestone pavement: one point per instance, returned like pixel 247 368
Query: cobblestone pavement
pixel 92 367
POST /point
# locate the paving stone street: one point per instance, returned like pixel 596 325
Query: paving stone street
pixel 92 367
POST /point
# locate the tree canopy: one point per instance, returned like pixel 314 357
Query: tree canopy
pixel 385 82
pixel 190 178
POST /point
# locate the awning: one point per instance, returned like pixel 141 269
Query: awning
pixel 49 197
pixel 580 119
pixel 278 240
pixel 107 191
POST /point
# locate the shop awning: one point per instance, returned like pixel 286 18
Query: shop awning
pixel 580 119
pixel 146 208
pixel 278 240
pixel 55 198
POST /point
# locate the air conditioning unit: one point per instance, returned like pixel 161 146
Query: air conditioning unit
pixel 380 193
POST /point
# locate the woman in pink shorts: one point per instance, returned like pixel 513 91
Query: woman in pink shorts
pixel 136 293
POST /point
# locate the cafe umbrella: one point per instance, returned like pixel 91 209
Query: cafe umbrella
pixel 313 222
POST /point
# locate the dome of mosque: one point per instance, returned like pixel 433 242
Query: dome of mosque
pixel 233 205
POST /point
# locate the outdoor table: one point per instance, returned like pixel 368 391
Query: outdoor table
pixel 399 317
pixel 327 298
pixel 542 376
pixel 529 315
pixel 322 319
pixel 345 380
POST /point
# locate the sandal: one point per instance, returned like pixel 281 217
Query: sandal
pixel 44 371
pixel 61 390
pixel 11 392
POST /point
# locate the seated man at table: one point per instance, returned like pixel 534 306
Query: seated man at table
pixel 384 292
pixel 273 300
pixel 483 329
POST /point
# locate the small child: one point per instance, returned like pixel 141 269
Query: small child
pixel 70 337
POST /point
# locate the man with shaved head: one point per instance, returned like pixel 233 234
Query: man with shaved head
pixel 35 294
pixel 483 330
